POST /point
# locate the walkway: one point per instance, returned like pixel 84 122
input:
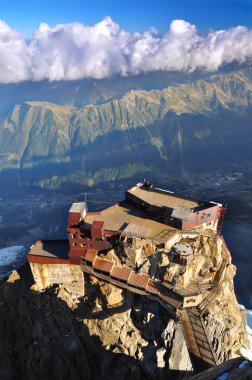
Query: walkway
pixel 191 320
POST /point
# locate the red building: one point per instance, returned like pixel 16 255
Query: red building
pixel 146 212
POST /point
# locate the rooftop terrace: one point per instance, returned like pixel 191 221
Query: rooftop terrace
pixel 50 249
pixel 123 216
pixel 158 197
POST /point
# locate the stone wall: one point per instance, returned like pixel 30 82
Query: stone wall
pixel 70 276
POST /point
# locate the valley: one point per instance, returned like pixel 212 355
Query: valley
pixel 195 126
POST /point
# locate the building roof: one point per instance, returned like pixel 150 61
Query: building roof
pixel 136 230
pixel 138 280
pixel 103 265
pixel 121 273
pixel 181 213
pixel 182 248
pixel 162 198
pixel 78 207
pixel 152 287
pixel 129 219
pixel 90 255
pixel 57 249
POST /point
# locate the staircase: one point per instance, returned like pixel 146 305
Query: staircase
pixel 196 337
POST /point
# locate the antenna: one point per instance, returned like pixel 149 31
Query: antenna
pixel 85 197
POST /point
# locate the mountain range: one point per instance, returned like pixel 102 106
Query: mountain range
pixel 98 132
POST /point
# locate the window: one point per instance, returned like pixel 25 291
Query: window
pixel 191 300
pixel 75 244
pixel 208 215
pixel 74 236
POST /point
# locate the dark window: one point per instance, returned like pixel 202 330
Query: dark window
pixel 190 300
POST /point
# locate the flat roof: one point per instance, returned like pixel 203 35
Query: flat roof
pixel 123 216
pixel 78 207
pixel 181 213
pixel 158 197
pixel 57 249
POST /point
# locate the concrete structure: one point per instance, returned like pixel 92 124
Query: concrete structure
pixel 50 265
pixel 157 218
pixel 174 210
pixel 181 253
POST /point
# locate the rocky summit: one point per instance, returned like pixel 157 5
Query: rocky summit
pixel 146 286
pixel 52 335
pixel 110 333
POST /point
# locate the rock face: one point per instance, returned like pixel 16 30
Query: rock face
pixel 109 335
pixel 195 266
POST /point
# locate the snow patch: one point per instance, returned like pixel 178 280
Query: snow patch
pixel 10 255
pixel 10 258
pixel 249 318
pixel 247 353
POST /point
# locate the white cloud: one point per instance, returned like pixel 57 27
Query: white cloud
pixel 74 51
pixel 14 55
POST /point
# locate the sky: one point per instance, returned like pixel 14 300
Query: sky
pixel 131 15
pixel 73 39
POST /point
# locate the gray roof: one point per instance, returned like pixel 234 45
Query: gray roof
pixel 78 207
pixel 136 230
pixel 182 213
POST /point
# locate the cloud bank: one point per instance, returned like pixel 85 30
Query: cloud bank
pixel 75 51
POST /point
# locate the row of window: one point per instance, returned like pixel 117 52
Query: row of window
pixel 76 236
pixel 203 216
pixel 83 245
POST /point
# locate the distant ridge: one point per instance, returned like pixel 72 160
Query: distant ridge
pixel 175 128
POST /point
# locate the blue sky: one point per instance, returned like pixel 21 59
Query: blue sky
pixel 131 15
pixel 192 35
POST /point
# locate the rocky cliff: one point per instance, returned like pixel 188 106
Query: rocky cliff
pixel 110 334
pixel 52 335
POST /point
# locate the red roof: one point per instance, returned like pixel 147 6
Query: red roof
pixel 138 280
pixel 152 287
pixel 103 265
pixel 90 255
pixel 121 273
